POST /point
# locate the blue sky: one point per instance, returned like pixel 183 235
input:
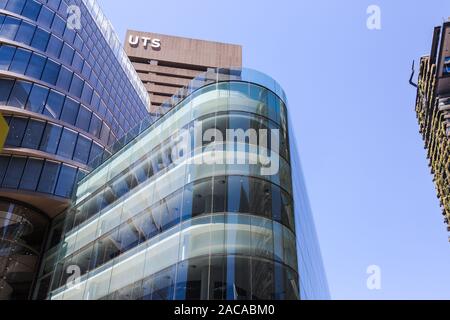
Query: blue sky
pixel 366 170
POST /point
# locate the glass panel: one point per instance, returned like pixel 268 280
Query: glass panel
pixel 67 54
pixel 6 55
pixel 40 39
pixel 51 72
pixel 82 149
pixel 20 61
pixel 67 143
pixel 25 33
pixel 54 46
pixel 31 174
pixel 66 181
pixel 45 17
pixel 48 177
pixel 37 99
pixel 5 88
pixel 9 28
pixel 54 104
pixel 64 78
pixel 15 6
pixel 33 134
pixel 16 131
pixel 50 138
pixel 76 86
pixel 84 118
pixel 14 173
pixel 70 111
pixel 36 66
pixel 31 9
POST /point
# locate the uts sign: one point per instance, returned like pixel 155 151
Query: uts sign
pixel 134 41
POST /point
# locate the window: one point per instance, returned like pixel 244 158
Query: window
pixel 45 17
pixel 20 61
pixel 36 101
pixel 9 28
pixel 66 181
pixel 4 161
pixel 49 176
pixel 54 46
pixel 58 25
pixel 19 94
pixel 84 118
pixel 5 89
pixel 82 149
pixel 95 126
pixel 31 174
pixel 77 62
pixel 67 54
pixel 16 131
pixel 87 93
pixel 31 10
pixel 25 33
pixel 36 66
pixel 67 143
pixel 16 6
pixel 33 134
pixel 77 86
pixel 40 39
pixel 14 172
pixel 95 152
pixel 54 104
pixel 50 138
pixel 70 111
pixel 64 79
pixel 6 55
pixel 51 72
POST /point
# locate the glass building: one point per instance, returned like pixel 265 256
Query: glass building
pixel 204 221
pixel 68 92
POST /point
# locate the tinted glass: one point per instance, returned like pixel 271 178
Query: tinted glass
pixel 33 134
pixel 49 177
pixel 36 66
pixel 6 55
pixel 67 143
pixel 51 72
pixel 70 111
pixel 25 33
pixel 50 138
pixel 20 61
pixel 37 99
pixel 31 174
pixel 5 89
pixel 16 131
pixel 14 173
pixel 66 181
pixel 40 39
pixel 19 94
pixel 54 104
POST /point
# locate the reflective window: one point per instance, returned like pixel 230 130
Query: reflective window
pixel 31 174
pixel 84 118
pixel 66 181
pixel 51 72
pixel 54 46
pixel 25 33
pixel 15 6
pixel 77 86
pixel 16 131
pixel 64 78
pixel 31 9
pixel 54 104
pixel 37 99
pixel 20 61
pixel 45 17
pixel 5 89
pixel 14 173
pixel 70 111
pixel 6 55
pixel 36 66
pixel 95 126
pixel 50 172
pixel 67 143
pixel 58 25
pixel 33 134
pixel 67 54
pixel 40 39
pixel 10 27
pixel 82 149
pixel 4 161
pixel 50 138
pixel 19 94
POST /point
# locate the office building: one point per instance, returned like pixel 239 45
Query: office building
pixel 182 213
pixel 433 112
pixel 68 92
pixel 167 63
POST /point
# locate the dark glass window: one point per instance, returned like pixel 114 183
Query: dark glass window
pixel 77 62
pixel 66 181
pixel 104 136
pixel 54 46
pixel 87 93
pixel 40 39
pixel 51 72
pixel 82 149
pixel 67 143
pixel 84 118
pixel 31 174
pixel 6 55
pixel 14 172
pixel 36 101
pixel 67 54
pixel 77 86
pixel 70 111
pixel 54 104
pixel 31 9
pixel 50 138
pixel 20 61
pixel 15 6
pixel 5 89
pixel 64 78
pixel 19 94
pixel 95 126
pixel 45 17
pixel 33 134
pixel 9 28
pixel 36 66
pixel 96 150
pixel 48 177
pixel 58 25
pixel 16 131
pixel 25 33
pixel 4 161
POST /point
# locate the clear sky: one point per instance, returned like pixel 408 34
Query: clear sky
pixel 366 170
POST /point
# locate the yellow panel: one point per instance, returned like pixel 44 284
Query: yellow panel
pixel 3 131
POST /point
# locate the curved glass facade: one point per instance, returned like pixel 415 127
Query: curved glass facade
pixel 158 222
pixel 67 93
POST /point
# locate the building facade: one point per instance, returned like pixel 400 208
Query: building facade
pixel 167 63
pixel 433 113
pixel 68 92
pixel 182 213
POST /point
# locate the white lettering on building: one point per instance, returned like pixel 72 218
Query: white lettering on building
pixel 154 43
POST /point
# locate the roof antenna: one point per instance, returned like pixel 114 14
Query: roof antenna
pixel 412 75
